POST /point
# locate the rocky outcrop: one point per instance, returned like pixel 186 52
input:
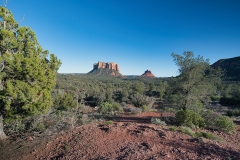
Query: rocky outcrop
pixel 108 65
pixel 231 66
pixel 148 73
pixel 103 69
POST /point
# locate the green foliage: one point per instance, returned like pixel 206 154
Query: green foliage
pixel 190 132
pixel 109 108
pixel 215 97
pixel 133 110
pixel 235 112
pixel 218 122
pixel 170 110
pixel 65 102
pixel 11 127
pixel 189 118
pixel 158 121
pixel 151 88
pixel 206 135
pixel 141 100
pixel 197 79
pixel 162 88
pixel 124 95
pixel 138 88
pixel 27 75
pixel 40 127
pixel 225 124
pixel 109 122
pixel 95 90
pixel 186 130
pixel 172 128
pixel 176 99
pixel 109 95
pixel 146 108
pixel 210 117
pixel 230 94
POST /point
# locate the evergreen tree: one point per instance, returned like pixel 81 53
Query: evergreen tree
pixel 162 88
pixel 197 78
pixel 27 71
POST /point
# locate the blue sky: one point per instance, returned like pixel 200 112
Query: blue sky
pixel 136 34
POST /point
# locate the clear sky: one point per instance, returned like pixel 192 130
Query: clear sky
pixel 136 34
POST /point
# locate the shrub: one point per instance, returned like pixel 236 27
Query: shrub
pixel 234 112
pixel 225 124
pixel 109 122
pixel 157 121
pixel 123 104
pixel 215 97
pixel 146 108
pixel 141 100
pixel 218 122
pixel 40 127
pixel 173 129
pixel 229 113
pixel 206 135
pixel 133 110
pixel 65 102
pixel 169 109
pixel 109 108
pixel 11 127
pixel 189 118
pixel 209 117
pixel 117 108
pixel 186 130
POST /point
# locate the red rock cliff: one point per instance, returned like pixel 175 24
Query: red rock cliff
pixel 148 73
pixel 109 65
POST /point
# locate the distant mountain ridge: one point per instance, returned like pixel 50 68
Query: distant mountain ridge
pixel 231 66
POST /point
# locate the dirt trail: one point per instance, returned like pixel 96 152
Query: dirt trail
pixel 130 140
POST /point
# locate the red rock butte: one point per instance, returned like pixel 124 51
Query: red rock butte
pixel 148 73
pixel 108 65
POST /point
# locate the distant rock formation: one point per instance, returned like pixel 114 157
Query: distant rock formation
pixel 148 73
pixel 103 69
pixel 231 66
pixel 108 65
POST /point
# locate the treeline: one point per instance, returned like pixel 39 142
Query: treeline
pixel 93 91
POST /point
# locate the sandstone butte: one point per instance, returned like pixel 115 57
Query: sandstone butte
pixel 106 69
pixel 148 73
pixel 108 65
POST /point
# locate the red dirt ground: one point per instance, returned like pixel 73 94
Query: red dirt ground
pixel 130 137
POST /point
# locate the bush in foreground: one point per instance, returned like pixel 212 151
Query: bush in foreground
pixel 189 118
pixel 218 122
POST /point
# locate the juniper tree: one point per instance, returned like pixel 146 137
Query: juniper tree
pixel 197 79
pixel 162 88
pixel 27 71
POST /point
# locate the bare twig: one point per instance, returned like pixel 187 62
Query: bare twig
pixel 5 3
pixel 22 19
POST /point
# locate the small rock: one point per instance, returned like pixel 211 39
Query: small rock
pixel 30 138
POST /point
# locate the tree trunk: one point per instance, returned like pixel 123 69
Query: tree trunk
pixel 2 134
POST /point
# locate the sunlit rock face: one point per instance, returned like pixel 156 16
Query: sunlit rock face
pixel 148 73
pixel 104 69
pixel 108 65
